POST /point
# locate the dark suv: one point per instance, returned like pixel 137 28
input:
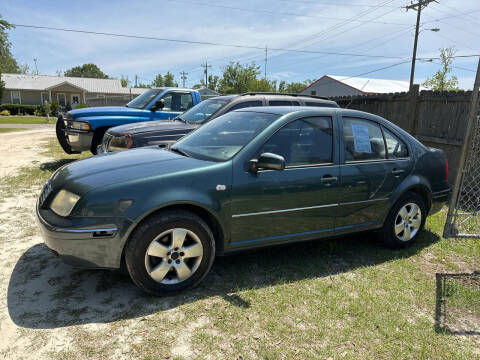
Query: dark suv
pixel 164 133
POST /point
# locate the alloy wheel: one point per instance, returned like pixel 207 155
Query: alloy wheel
pixel 173 256
pixel 408 221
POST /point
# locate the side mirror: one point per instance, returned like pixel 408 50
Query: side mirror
pixel 159 105
pixel 268 161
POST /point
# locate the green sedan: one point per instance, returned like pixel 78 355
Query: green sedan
pixel 250 178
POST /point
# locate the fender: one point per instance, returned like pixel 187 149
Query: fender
pixel 96 122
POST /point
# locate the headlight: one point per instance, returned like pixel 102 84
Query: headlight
pixel 64 202
pixel 118 143
pixel 79 125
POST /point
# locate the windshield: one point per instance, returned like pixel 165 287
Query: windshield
pixel 140 102
pixel 203 111
pixel 223 137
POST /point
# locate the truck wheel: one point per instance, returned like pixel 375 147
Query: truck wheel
pixel 405 221
pixel 170 252
pixel 97 140
pixel 62 137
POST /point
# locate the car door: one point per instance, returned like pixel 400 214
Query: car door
pixel 295 203
pixel 365 179
pixel 399 163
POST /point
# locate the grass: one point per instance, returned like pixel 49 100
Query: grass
pixel 7 130
pixel 347 298
pixel 26 120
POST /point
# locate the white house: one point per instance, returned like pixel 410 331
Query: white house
pixel 36 89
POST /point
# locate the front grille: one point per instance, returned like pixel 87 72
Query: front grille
pixel 106 141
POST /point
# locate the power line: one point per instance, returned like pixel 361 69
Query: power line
pixel 316 36
pixel 336 3
pixel 280 13
pixel 200 42
pixel 223 44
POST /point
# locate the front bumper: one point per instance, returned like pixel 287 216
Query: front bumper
pixel 79 140
pixel 86 242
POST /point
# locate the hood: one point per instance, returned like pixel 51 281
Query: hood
pixel 107 111
pixel 82 176
pixel 150 126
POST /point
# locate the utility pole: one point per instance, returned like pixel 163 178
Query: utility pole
pixel 183 77
pixel 206 66
pixel 416 6
pixel 36 67
pixel 266 57
pixel 136 80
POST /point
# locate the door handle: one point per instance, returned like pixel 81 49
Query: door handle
pixel 328 179
pixel 397 172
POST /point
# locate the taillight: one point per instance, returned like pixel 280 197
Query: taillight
pixel 446 169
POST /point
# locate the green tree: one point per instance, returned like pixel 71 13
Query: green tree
pixel 2 86
pixel 441 80
pixel 145 86
pixel 87 71
pixel 8 64
pixel 293 87
pixel 158 82
pixel 238 78
pixel 124 81
pixel 213 83
pixel 169 80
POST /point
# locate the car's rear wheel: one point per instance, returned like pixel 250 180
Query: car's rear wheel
pixel 170 252
pixel 405 221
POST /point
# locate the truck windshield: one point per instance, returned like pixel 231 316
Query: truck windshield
pixel 141 102
pixel 223 137
pixel 203 111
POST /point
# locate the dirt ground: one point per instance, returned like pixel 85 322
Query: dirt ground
pixel 46 304
pixel 19 149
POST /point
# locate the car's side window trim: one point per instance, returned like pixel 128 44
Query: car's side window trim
pixel 332 162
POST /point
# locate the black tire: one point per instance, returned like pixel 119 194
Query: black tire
pixel 387 233
pixel 144 235
pixel 62 138
pixel 97 140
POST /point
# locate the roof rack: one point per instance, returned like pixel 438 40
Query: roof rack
pixel 286 94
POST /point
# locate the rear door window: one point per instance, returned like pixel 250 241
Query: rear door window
pixel 396 148
pixel 363 140
pixel 279 103
pixel 246 104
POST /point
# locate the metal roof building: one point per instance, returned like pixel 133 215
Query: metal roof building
pixel 333 85
pixel 36 89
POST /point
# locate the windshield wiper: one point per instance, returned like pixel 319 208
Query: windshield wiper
pixel 181 152
pixel 179 118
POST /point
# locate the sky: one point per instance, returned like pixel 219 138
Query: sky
pixel 382 29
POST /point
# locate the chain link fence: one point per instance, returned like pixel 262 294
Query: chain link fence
pixel 463 218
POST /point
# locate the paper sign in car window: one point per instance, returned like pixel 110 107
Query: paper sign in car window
pixel 361 139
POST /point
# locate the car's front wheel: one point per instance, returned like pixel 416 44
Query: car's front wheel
pixel 170 252
pixel 405 221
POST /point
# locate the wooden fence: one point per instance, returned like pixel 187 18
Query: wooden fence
pixel 437 119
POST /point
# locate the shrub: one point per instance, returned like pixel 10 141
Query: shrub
pixel 5 112
pixel 20 109
pixel 55 106
pixel 81 106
